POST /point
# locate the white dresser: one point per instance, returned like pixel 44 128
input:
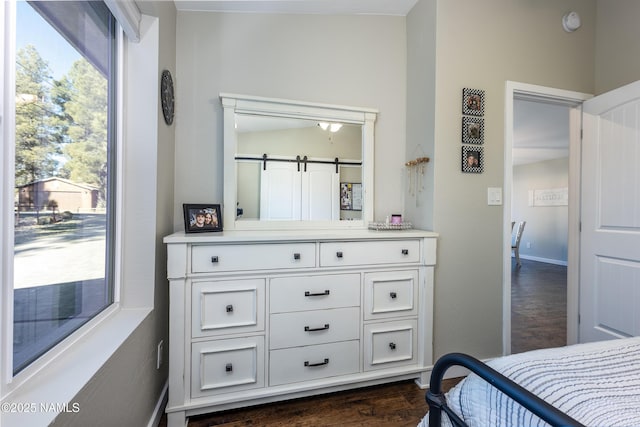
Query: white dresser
pixel 262 316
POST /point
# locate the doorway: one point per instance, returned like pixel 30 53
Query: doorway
pixel 537 96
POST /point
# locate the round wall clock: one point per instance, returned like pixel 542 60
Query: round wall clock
pixel 166 96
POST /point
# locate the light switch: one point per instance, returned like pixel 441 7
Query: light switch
pixel 494 196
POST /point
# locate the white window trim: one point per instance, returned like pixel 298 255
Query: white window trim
pixel 61 373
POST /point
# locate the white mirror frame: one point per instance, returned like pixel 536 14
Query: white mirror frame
pixel 233 103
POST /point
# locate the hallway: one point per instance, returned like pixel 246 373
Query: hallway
pixel 538 306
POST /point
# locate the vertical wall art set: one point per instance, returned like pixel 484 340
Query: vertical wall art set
pixel 472 130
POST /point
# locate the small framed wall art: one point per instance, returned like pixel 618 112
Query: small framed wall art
pixel 472 130
pixel 472 159
pixel 473 102
pixel 202 218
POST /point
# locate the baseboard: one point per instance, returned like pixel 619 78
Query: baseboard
pixel 158 411
pixel 545 260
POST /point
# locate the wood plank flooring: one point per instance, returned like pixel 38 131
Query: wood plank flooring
pixel 397 404
pixel 538 306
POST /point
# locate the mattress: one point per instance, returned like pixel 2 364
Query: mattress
pixel 598 384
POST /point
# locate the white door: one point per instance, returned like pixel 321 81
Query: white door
pixel 280 191
pixel 610 237
pixel 320 192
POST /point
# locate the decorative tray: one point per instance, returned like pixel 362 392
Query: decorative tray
pixel 386 226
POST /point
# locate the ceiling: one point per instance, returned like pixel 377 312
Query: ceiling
pixel 541 130
pixel 339 7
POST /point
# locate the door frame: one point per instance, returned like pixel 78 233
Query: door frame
pixel 517 90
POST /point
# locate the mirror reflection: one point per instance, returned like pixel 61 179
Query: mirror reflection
pixel 297 169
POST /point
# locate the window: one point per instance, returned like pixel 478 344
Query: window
pixel 64 171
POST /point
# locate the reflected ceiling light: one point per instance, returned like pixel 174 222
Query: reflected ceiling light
pixel 332 127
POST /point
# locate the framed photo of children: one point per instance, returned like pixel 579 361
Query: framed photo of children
pixel 201 218
pixel 472 159
pixel 473 102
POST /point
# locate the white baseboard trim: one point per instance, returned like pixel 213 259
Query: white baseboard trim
pixel 158 411
pixel 546 260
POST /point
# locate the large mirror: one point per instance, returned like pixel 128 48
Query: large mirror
pixel 296 165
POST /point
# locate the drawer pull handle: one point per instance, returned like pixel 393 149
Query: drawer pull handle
pixel 317 294
pixel 392 345
pixel 393 295
pixel 339 254
pixel 228 367
pixel 229 308
pixel 323 328
pixel 325 362
pixel 214 259
pixel 296 256
pixel 405 252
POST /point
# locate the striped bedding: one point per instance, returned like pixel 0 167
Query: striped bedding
pixel 598 384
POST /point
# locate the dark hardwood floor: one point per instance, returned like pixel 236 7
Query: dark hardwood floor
pixel 397 404
pixel 538 306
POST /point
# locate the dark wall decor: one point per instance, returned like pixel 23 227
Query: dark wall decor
pixel 472 159
pixel 473 102
pixel 472 130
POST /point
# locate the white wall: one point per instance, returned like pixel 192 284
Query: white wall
pixel 617 59
pixel 347 60
pixel 481 45
pixel 547 226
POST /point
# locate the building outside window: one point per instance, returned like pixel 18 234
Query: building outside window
pixel 64 171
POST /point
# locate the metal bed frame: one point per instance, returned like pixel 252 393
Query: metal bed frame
pixel 438 402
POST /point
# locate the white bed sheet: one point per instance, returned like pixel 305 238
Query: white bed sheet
pixel 598 384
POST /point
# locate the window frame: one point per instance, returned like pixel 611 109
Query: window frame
pixel 60 374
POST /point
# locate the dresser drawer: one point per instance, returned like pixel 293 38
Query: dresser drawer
pixel 298 293
pixel 390 294
pixel 390 344
pixel 225 366
pixel 375 252
pixel 312 362
pixel 314 327
pixel 224 307
pixel 219 258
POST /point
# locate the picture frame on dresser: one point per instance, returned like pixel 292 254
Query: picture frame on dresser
pixel 202 218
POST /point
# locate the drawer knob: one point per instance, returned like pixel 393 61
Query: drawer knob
pixel 323 328
pixel 214 259
pixel 296 256
pixel 405 252
pixel 393 295
pixel 309 364
pixel 316 294
pixel 230 308
pixel 228 367
pixel 339 254
pixel 392 345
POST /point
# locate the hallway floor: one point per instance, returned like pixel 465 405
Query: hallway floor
pixel 538 306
